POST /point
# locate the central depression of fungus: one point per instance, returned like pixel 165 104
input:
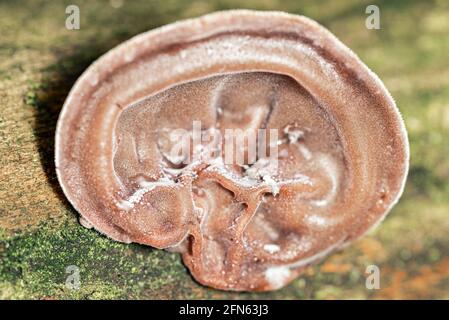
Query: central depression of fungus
pixel 331 161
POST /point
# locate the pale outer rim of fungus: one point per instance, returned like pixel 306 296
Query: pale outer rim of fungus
pixel 122 48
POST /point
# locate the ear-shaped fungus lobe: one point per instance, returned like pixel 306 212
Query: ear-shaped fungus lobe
pixel 339 165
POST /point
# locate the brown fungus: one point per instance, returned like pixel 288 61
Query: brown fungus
pixel 338 166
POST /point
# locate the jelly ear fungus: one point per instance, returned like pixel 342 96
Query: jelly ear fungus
pixel 342 149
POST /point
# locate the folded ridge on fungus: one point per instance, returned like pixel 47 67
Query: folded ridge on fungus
pixel 331 162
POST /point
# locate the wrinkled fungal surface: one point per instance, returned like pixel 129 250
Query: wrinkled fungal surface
pixel 337 165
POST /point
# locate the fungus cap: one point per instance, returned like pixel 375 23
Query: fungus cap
pixel 339 165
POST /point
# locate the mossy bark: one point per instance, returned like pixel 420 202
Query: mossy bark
pixel 40 235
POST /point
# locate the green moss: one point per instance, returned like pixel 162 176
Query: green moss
pixel 31 98
pixel 35 265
